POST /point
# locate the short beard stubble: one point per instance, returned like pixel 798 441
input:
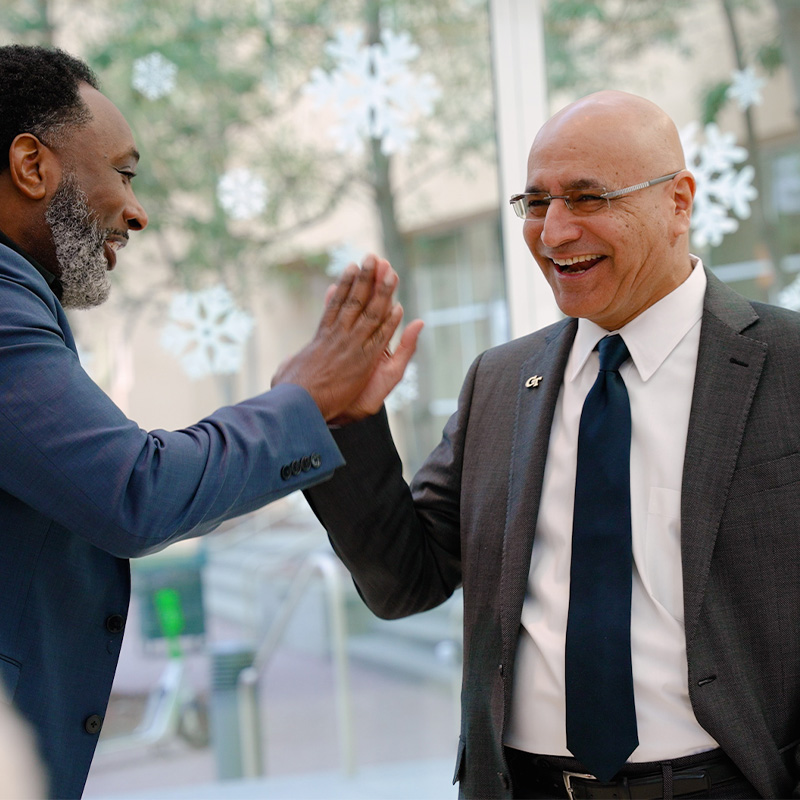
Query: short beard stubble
pixel 78 240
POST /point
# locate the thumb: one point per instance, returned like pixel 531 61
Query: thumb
pixel 406 348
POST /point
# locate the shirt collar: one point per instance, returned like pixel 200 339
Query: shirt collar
pixel 653 334
pixel 52 281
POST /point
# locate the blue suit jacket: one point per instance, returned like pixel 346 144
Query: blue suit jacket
pixel 83 489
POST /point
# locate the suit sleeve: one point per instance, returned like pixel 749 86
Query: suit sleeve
pixel 401 543
pixel 67 451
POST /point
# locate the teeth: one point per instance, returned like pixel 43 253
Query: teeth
pixel 568 262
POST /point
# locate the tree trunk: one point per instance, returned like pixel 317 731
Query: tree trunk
pixel 381 172
pixel 45 23
pixel 789 25
pixel 767 234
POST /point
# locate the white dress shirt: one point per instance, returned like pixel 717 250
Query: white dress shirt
pixel 663 342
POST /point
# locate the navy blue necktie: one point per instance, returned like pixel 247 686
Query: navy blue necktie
pixel 601 716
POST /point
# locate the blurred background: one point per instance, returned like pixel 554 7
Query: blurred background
pixel 281 139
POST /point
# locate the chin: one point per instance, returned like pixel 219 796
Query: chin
pixel 85 297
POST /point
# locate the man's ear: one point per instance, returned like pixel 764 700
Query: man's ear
pixel 34 167
pixel 683 197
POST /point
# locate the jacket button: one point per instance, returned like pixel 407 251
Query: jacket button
pixel 93 724
pixel 286 472
pixel 305 463
pixel 316 460
pixel 115 623
pixel 295 467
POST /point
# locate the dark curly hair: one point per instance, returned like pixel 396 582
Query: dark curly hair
pixel 39 94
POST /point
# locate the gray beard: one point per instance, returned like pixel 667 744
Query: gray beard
pixel 79 241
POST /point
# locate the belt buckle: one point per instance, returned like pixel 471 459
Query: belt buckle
pixel 568 776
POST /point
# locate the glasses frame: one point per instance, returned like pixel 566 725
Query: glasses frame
pixel 519 207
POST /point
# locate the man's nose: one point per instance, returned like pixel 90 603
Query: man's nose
pixel 135 215
pixel 560 225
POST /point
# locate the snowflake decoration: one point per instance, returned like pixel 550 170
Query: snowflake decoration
pixel 406 391
pixel 242 194
pixel 154 76
pixel 372 91
pixel 342 255
pixel 721 189
pixel 207 332
pixel 745 88
pixel 789 297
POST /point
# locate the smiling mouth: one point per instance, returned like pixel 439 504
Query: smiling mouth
pixel 111 246
pixel 576 265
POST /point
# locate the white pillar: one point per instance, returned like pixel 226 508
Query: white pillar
pixel 521 109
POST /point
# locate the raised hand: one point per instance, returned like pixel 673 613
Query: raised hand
pixel 348 353
pixel 388 373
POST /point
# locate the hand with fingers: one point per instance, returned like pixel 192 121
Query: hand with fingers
pixel 347 367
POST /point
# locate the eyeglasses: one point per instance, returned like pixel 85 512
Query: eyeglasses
pixel 534 205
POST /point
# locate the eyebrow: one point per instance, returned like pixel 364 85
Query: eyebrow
pixel 580 183
pixel 133 153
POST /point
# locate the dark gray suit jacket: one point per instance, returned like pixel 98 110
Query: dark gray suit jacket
pixel 470 515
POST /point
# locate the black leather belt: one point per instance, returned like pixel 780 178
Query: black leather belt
pixel 695 779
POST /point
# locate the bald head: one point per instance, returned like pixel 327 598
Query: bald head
pixel 609 262
pixel 626 134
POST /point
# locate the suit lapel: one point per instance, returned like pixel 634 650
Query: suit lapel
pixel 729 367
pixel 534 415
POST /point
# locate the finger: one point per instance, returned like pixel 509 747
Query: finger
pixel 382 267
pixel 337 298
pixel 405 350
pixel 378 342
pixel 329 292
pixel 379 305
pixel 408 342
pixel 359 293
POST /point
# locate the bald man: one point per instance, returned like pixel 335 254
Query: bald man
pixel 702 541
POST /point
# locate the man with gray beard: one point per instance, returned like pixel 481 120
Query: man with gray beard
pixel 79 243
pixel 83 488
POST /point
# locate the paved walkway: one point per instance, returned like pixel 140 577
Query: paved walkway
pixel 405 733
pixel 420 780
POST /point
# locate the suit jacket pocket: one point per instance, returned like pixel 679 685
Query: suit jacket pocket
pixel 766 476
pixel 9 677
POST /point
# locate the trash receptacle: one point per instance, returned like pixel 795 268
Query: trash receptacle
pixel 228 659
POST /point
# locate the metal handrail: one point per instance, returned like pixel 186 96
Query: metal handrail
pixel 326 566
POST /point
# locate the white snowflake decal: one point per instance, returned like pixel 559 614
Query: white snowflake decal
pixel 342 255
pixel 372 91
pixel 154 76
pixel 721 189
pixel 207 332
pixel 789 297
pixel 242 194
pixel 406 391
pixel 745 88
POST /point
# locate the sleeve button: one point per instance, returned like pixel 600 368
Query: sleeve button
pixel 93 724
pixel 286 472
pixel 115 623
pixel 316 460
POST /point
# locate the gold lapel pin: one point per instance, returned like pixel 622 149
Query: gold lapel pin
pixel 533 381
